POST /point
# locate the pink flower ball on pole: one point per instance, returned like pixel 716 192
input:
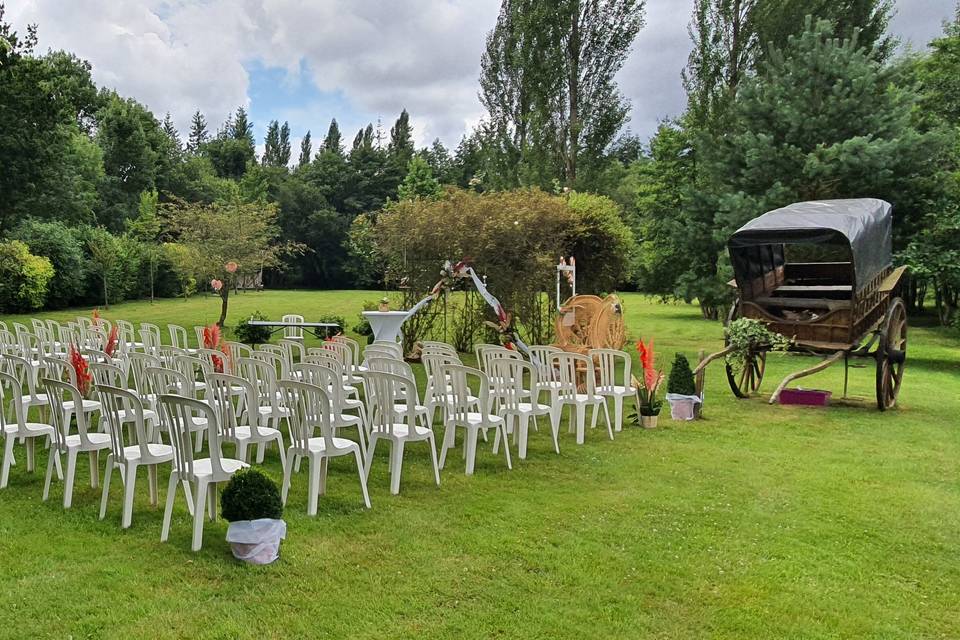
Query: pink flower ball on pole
pixel 216 284
pixel 231 267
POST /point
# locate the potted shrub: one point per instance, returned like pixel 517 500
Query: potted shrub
pixel 251 503
pixel 682 390
pixel 648 405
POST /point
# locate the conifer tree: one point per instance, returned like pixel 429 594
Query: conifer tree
pixel 198 133
pixel 306 149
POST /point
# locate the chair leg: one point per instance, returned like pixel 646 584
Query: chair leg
pixel 470 448
pixel 31 446
pixel 281 451
pixel 506 447
pixel 7 460
pixel 313 487
pixel 581 411
pixel 522 426
pixel 94 469
pixel 261 449
pixel 396 465
pixel 324 467
pixel 606 414
pixel 596 408
pixel 433 457
pixel 71 474
pixel 448 437
pixel 287 471
pixel 153 481
pixel 46 482
pixel 556 444
pixel 198 513
pixel 107 472
pixel 618 413
pixel 212 501
pixel 129 485
pixel 363 480
pixel 199 441
pixel 368 459
pixel 168 507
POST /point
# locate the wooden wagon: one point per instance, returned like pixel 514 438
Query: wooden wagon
pixel 821 274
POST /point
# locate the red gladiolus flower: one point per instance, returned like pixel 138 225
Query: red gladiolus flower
pixel 112 341
pixel 650 374
pixel 82 369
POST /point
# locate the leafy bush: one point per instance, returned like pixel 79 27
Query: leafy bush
pixel 251 495
pixel 54 240
pixel 333 318
pixel 24 278
pixel 747 335
pixel 363 327
pixel 681 379
pixel 252 334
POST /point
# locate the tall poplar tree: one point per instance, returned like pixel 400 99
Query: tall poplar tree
pixel 306 150
pixel 333 140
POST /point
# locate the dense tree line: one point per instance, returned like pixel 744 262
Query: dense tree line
pixel 787 100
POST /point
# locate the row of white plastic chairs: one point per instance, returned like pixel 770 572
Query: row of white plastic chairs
pixel 266 371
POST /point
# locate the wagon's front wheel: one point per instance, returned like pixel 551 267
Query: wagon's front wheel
pixel 891 354
pixel 745 380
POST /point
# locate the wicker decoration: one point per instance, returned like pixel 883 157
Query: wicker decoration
pixel 590 322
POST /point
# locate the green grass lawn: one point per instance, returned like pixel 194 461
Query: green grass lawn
pixel 756 522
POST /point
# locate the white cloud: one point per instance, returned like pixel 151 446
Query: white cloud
pixel 422 55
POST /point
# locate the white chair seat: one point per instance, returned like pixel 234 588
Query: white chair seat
pixel 157 450
pixel 245 432
pixel 34 428
pixel 616 390
pixel 96 439
pixel 403 432
pixel 480 418
pixel 319 445
pixel 204 467
pixel 89 406
pixel 269 411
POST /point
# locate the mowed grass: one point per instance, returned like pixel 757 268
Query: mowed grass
pixel 757 521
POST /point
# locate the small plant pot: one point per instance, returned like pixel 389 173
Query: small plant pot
pixel 256 541
pixel 683 407
pixel 649 422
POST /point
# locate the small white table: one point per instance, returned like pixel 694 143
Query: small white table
pixel 386 324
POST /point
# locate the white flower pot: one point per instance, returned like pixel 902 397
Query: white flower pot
pixel 683 407
pixel 256 541
pixel 649 422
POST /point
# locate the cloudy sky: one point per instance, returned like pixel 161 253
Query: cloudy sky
pixel 307 61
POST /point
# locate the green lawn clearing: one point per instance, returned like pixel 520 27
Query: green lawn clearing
pixel 757 521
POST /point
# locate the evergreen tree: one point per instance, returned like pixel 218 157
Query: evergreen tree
pixel 401 139
pixel 419 182
pixel 441 164
pixel 271 145
pixel 333 142
pixel 198 133
pixel 681 379
pixel 283 146
pixel 171 130
pixel 306 150
pixel 241 128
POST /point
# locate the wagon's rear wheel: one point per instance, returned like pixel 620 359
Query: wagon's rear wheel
pixel 746 380
pixel 891 354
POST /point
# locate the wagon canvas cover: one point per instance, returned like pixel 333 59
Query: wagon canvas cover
pixel 865 224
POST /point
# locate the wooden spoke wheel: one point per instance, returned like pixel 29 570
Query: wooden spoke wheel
pixel 891 354
pixel 746 381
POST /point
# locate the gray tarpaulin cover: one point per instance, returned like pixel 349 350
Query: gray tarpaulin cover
pixel 866 224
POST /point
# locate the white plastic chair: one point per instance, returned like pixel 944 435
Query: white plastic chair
pixel 608 363
pixel 541 356
pixel 263 376
pixel 63 442
pixel 229 407
pixel 354 347
pixel 405 371
pixel 178 337
pixel 150 337
pixel 118 406
pixel 111 375
pixel 61 370
pixel 570 368
pixel 391 349
pixel 397 426
pixel 518 402
pixel 292 333
pixel 204 474
pixel 19 429
pixel 137 365
pixel 469 412
pixel 332 381
pixel 310 409
pixel 170 381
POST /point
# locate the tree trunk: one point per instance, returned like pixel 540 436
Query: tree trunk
pixel 224 296
pixel 573 91
pixel 106 300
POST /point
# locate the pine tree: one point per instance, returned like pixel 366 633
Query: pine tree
pixel 171 130
pixel 198 133
pixel 283 146
pixel 401 139
pixel 419 182
pixel 241 128
pixel 333 142
pixel 681 377
pixel 306 149
pixel 271 144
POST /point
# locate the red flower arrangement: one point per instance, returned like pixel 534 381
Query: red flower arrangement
pixel 212 339
pixel 96 317
pixel 82 369
pixel 112 340
pixel 652 379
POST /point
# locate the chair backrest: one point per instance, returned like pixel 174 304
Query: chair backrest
pixel 327 378
pixel 168 354
pixel 512 383
pixel 341 350
pixel 107 374
pixel 379 351
pixel 460 400
pixel 10 388
pixel 137 364
pixel 293 351
pixel 126 332
pixel 540 355
pixel 215 361
pixel 95 355
pixel 8 342
pixel 350 342
pixel 58 369
pixel 309 409
pixel 391 365
pixel 292 332
pixel 232 407
pixel 29 343
pixel 608 363
pixel 150 336
pixel 383 390
pixel 275 360
pixel 178 336
pixel 59 392
pixel 119 406
pixel 163 380
pixel 178 413
pixel 429 347
pixel 479 351
pixel 488 356
pixel 571 368
pixel 239 350
pixel 394 347
pixel 198 331
pixel 263 376
pixel 26 374
pixel 192 368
